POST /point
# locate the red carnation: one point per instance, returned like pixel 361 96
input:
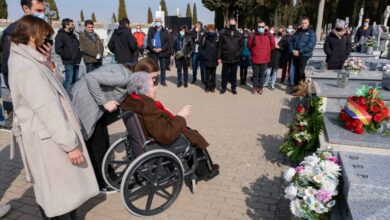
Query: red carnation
pixel 375 109
pixel 349 126
pixel 385 112
pixel 378 118
pixel 362 101
pixel 380 103
pixel 300 109
pixel 359 130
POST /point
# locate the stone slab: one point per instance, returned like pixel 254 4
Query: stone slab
pixel 328 88
pixel 315 73
pixel 321 53
pixel 366 185
pixel 337 134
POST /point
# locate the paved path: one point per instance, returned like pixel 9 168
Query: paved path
pixel 244 131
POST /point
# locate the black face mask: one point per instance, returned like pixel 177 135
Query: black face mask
pixel 232 27
pixel 338 29
pixel 280 34
pixel 71 30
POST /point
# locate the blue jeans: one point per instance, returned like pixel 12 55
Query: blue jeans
pixel 292 73
pixel 197 61
pixel 271 73
pixel 163 65
pixel 71 75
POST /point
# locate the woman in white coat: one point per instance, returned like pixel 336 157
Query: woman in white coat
pixel 45 126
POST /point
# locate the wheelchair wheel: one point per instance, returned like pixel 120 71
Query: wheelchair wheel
pixel 115 162
pixel 152 183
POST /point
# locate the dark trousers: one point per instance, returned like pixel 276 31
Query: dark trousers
pixel 196 62
pixel 138 53
pixel 93 66
pixel 162 61
pixel 259 74
pixel 71 76
pixel 182 70
pixel 285 71
pixel 300 65
pixel 243 73
pixel 229 74
pixel 211 78
pixel 68 216
pixel 98 144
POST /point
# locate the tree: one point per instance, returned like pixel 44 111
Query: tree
pixel 81 15
pixel 194 14
pixel 3 9
pixel 164 7
pixel 114 19
pixel 150 16
pixel 188 12
pixel 122 10
pixel 93 17
pixel 53 7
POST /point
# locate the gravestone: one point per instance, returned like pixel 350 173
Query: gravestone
pixel 366 185
pixel 328 88
pixel 337 134
pixel 315 73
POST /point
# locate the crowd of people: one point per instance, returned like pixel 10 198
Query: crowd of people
pixel 64 119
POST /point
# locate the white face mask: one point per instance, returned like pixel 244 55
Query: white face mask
pixel 40 15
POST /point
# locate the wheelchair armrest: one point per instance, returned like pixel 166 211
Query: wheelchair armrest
pixel 123 114
pixel 180 145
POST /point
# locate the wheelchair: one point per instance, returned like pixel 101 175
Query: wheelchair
pixel 150 176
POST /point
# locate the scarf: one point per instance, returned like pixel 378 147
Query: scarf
pixel 158 104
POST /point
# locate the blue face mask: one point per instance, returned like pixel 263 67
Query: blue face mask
pixel 210 34
pixel 39 15
pixel 261 30
pixel 158 24
pixel 182 33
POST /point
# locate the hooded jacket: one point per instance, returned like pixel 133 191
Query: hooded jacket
pixel 123 45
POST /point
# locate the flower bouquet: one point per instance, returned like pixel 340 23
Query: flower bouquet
pixel 364 112
pixel 354 65
pixel 371 42
pixel 313 185
pixel 303 133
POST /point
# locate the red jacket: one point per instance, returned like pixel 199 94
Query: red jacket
pixel 261 47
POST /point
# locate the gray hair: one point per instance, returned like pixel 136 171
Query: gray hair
pixel 138 83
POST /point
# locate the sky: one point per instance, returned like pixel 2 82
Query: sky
pixel 136 9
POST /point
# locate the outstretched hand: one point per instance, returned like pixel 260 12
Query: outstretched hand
pixel 186 111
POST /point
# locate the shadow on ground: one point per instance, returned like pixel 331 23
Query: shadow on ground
pixel 265 199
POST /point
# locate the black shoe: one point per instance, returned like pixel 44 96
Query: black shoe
pixel 163 83
pixel 222 91
pixel 179 85
pixel 185 85
pixel 193 82
pixel 234 92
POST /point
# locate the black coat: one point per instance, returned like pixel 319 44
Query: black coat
pixel 67 46
pixel 165 42
pixel 183 43
pixel 123 45
pixel 337 50
pixel 5 42
pixel 209 50
pixel 197 38
pixel 363 33
pixel 230 46
pixel 276 53
pixel 286 54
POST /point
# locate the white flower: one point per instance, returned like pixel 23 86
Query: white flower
pixel 310 191
pixel 311 160
pixel 330 186
pixel 330 169
pixel 318 178
pixel 291 192
pixel 317 206
pixel 289 174
pixel 296 209
pixel 308 171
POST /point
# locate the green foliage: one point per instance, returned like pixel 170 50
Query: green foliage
pixel 194 15
pixel 53 7
pixel 164 7
pixel 315 125
pixel 188 12
pixel 122 10
pixel 3 9
pixel 93 17
pixel 114 19
pixel 150 16
pixel 81 15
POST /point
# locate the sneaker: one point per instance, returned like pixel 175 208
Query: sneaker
pixel 107 190
pixel 222 91
pixel 272 88
pixel 4 209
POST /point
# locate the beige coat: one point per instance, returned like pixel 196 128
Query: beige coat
pixel 46 128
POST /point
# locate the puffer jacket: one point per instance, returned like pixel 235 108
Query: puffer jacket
pixel 304 41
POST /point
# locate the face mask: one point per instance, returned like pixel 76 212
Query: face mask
pixel 272 32
pixel 289 30
pixel 71 30
pixel 211 34
pixel 232 27
pixel 182 33
pixel 39 15
pixel 158 24
pixel 365 23
pixel 261 30
pixel 138 30
pixel 280 34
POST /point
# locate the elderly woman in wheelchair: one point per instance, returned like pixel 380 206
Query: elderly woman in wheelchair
pixel 158 154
